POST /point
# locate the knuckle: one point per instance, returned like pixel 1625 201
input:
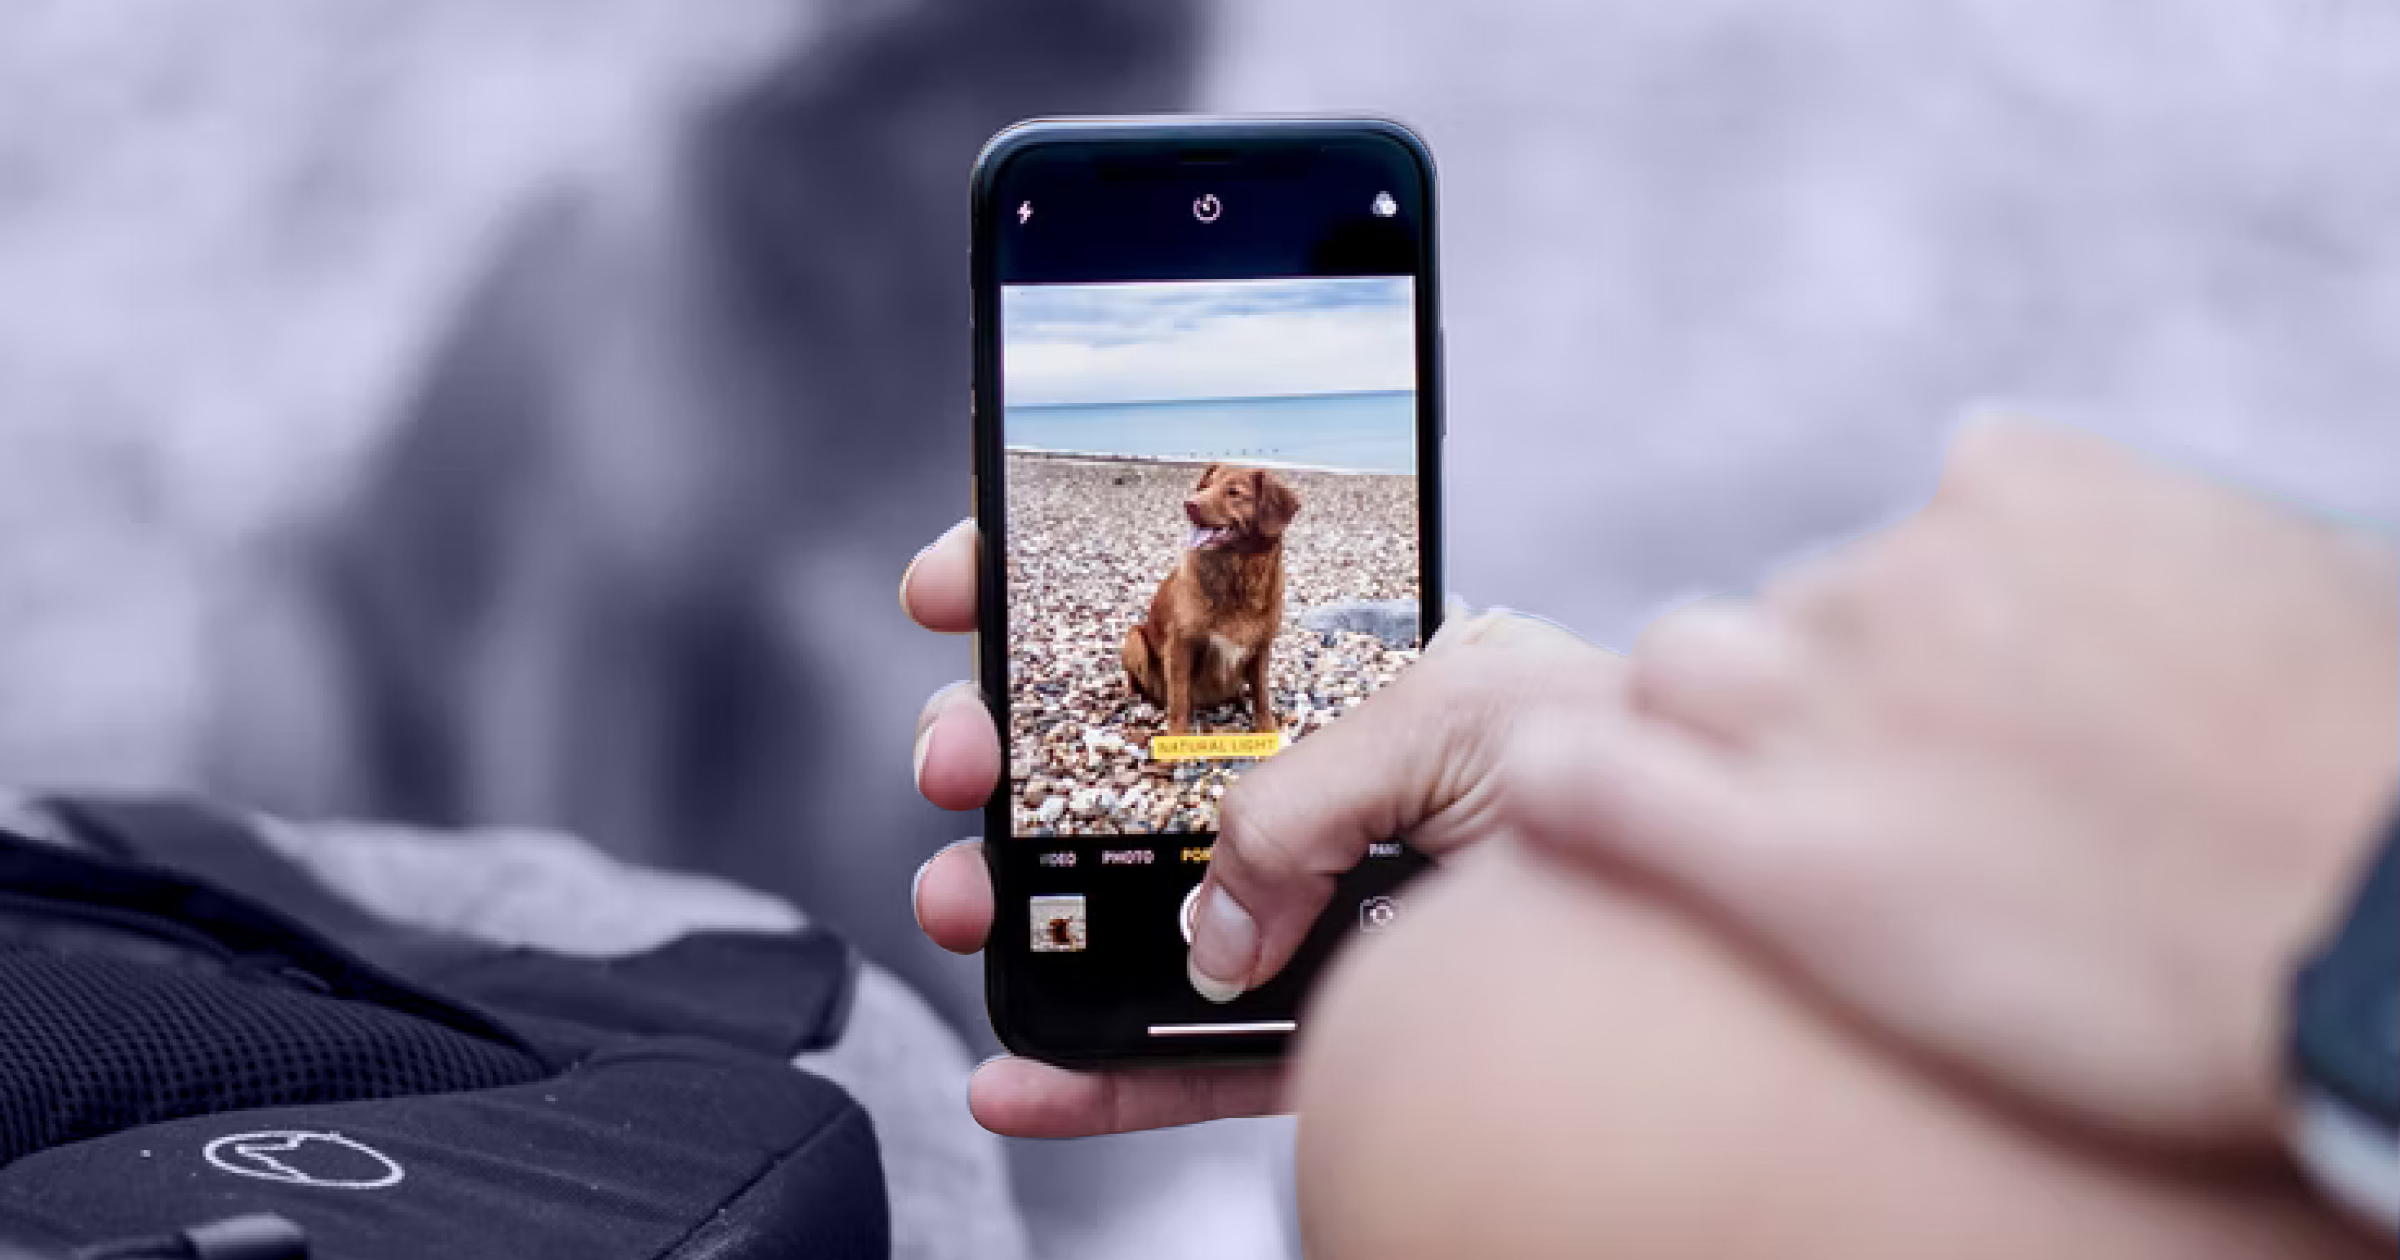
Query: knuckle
pixel 1545 743
pixel 1436 682
pixel 1659 676
pixel 1808 590
pixel 1982 451
pixel 1706 658
pixel 1517 654
pixel 1677 635
pixel 1868 584
pixel 1478 629
pixel 1550 765
pixel 1504 631
pixel 2000 458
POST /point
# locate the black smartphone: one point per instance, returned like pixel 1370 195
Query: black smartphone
pixel 1207 451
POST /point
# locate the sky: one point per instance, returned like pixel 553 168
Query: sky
pixel 1151 341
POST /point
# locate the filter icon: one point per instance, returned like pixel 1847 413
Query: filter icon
pixel 1386 205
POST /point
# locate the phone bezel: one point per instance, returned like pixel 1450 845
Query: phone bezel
pixel 1146 137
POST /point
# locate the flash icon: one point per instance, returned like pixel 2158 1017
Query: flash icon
pixel 1024 212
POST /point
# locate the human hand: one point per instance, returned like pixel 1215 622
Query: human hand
pixel 2053 781
pixel 1480 674
pixel 957 766
pixel 1427 758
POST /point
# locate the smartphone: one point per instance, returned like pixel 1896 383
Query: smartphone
pixel 1207 467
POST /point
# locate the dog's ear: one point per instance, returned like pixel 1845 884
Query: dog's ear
pixel 1207 475
pixel 1277 504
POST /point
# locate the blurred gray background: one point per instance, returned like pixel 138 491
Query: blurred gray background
pixel 468 412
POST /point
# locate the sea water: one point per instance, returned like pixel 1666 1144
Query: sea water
pixel 1362 432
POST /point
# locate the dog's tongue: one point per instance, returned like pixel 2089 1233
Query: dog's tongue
pixel 1202 536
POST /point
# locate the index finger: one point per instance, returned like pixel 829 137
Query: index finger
pixel 1414 760
pixel 938 588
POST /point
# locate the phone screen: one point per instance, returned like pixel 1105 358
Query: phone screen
pixel 1209 359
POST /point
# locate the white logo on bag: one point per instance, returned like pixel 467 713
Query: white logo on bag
pixel 293 1157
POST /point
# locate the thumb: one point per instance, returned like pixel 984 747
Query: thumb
pixel 1416 760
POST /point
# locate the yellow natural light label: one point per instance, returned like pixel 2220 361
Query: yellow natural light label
pixel 1211 747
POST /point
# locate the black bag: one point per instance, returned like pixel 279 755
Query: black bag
pixel 193 1028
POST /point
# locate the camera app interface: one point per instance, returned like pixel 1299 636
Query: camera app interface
pixel 1211 543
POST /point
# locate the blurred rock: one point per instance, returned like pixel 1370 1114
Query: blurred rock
pixel 1392 621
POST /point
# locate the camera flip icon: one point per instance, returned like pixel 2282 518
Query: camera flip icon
pixel 1377 913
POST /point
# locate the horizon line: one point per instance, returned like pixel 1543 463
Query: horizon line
pixel 1164 402
pixel 1120 457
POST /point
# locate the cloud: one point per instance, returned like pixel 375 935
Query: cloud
pixel 1086 343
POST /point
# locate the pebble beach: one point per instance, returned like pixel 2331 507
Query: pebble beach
pixel 1090 538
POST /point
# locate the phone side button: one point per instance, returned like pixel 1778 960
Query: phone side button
pixel 975 509
pixel 1441 356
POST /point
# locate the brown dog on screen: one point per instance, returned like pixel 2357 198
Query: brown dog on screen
pixel 1213 622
